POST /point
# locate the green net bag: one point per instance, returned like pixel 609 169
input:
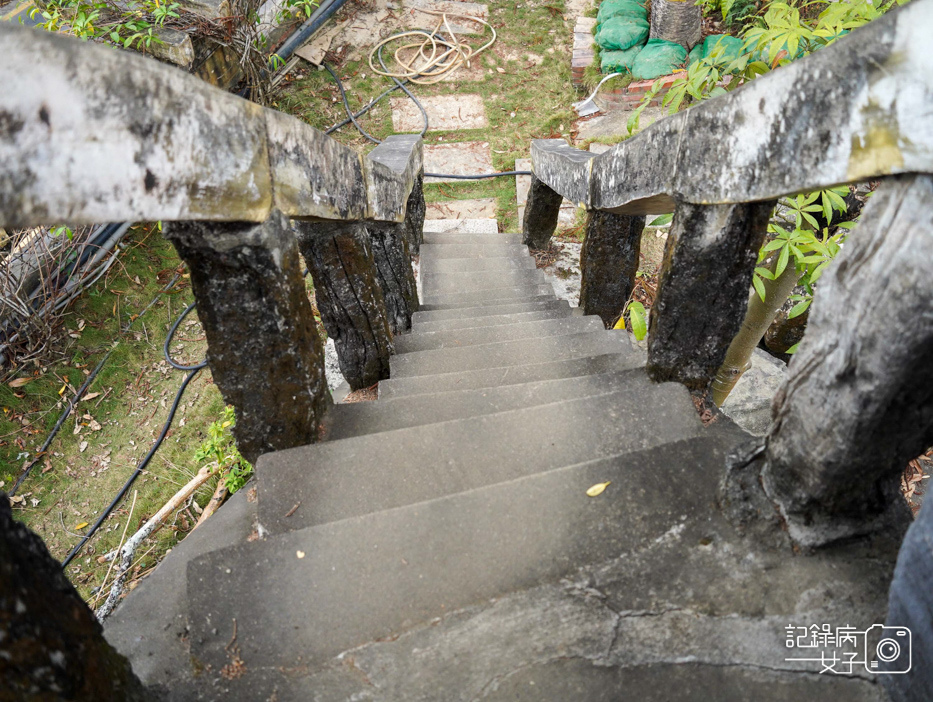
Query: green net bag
pixel 658 58
pixel 620 33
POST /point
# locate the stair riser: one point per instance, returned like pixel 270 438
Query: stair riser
pixel 501 355
pixel 443 325
pixel 362 418
pixel 472 239
pixel 488 335
pixel 429 251
pixel 479 281
pixel 380 575
pixel 479 311
pixel 460 265
pixel 621 358
pixel 489 296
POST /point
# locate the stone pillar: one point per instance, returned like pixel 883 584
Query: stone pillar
pixel 541 211
pixel 703 289
pixel 415 211
pixel 349 297
pixel 51 645
pixel 858 401
pixel 392 256
pixel 263 346
pixel 609 262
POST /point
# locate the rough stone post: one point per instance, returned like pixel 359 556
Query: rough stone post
pixel 415 211
pixel 349 297
pixel 703 289
pixel 51 644
pixel 858 403
pixel 263 346
pixel 541 211
pixel 609 262
pixel 392 256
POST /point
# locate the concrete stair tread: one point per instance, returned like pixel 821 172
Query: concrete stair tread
pixel 503 354
pixel 360 418
pixel 468 225
pixel 429 251
pixel 488 296
pixel 460 338
pixel 492 320
pixel 336 480
pixel 478 281
pixel 316 592
pixel 456 237
pixel 620 358
pixel 452 265
pixel 478 311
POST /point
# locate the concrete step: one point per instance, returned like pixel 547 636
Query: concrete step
pixel 429 251
pixel 488 296
pixel 475 281
pixel 316 592
pixel 455 237
pixel 461 338
pixel 357 419
pixel 622 357
pixel 336 480
pixel 502 354
pixel 459 265
pixel 160 655
pixel 478 311
pixel 492 320
pixel 466 225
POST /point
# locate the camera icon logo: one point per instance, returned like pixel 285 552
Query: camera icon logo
pixel 892 653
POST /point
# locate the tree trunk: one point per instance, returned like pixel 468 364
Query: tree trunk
pixel 679 21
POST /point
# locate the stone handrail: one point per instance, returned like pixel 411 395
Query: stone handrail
pixel 92 134
pixel 857 405
pixel 857 110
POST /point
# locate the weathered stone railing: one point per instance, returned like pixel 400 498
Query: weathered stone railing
pixel 858 403
pixel 89 134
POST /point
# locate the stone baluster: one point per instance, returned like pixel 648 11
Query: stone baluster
pixel 609 262
pixel 703 289
pixel 349 297
pixel 858 402
pixel 541 212
pixel 264 350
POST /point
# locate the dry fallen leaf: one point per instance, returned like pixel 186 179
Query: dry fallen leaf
pixel 598 489
pixel 81 526
pixel 91 395
pixel 19 382
pixel 83 446
pixel 94 425
pixel 300 554
pixel 501 70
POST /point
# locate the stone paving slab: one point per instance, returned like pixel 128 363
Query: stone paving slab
pixel 480 208
pixel 460 25
pixel 463 158
pixel 462 226
pixel 445 113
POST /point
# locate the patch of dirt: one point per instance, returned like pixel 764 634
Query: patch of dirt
pixel 370 394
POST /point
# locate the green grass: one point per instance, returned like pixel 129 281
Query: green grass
pixel 71 486
pixel 540 96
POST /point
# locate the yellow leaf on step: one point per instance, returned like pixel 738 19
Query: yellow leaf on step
pixel 598 489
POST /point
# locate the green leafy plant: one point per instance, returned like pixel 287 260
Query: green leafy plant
pixel 123 24
pixel 638 319
pixel 220 451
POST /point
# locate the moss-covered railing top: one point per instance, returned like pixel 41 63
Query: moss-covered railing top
pixel 859 109
pixel 89 134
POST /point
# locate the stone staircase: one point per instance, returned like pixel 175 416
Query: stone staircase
pixel 440 544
